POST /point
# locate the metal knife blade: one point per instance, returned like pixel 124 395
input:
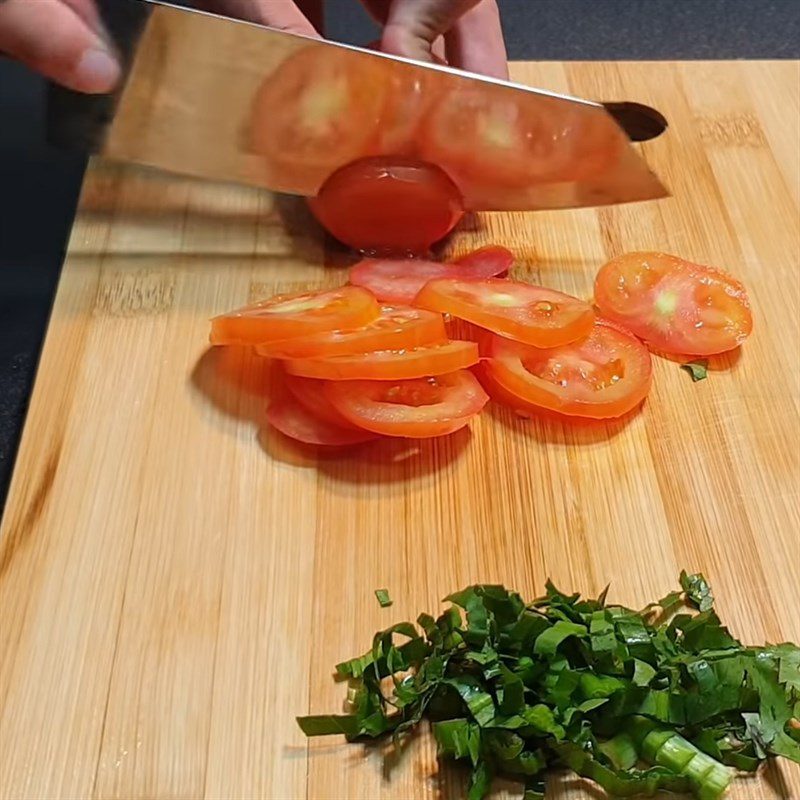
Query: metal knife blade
pixel 198 93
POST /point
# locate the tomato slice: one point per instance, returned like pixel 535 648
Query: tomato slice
pixel 416 408
pixel 518 144
pixel 602 376
pixel 288 315
pixel 676 306
pixel 486 262
pixel 310 394
pixel 388 204
pixel 294 421
pixel 531 314
pixel 320 109
pixel 400 280
pixel 395 328
pixel 390 365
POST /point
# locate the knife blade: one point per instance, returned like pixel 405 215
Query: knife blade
pixel 204 95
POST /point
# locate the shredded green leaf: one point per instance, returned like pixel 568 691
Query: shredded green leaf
pixel 697 369
pixel 383 597
pixel 639 702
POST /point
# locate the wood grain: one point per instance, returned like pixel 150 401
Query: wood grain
pixel 176 585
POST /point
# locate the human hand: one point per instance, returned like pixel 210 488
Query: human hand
pixel 65 41
pixel 62 39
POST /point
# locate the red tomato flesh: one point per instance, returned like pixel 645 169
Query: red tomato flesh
pixel 602 376
pixel 531 314
pixel 285 316
pixel 294 421
pixel 674 305
pixel 414 408
pixel 400 280
pixel 390 365
pixel 396 327
pixel 388 204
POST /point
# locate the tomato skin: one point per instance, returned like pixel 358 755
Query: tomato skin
pixel 676 306
pixel 486 262
pixel 400 280
pixel 414 408
pixel 388 204
pixel 286 316
pixel 310 394
pixel 521 311
pixel 396 327
pixel 297 423
pixel 603 376
pixel 320 109
pixel 390 365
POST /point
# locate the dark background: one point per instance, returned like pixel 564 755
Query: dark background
pixel 39 186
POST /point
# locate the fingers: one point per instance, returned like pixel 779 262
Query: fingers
pixel 476 42
pixel 51 38
pixel 282 15
pixel 412 26
pixel 471 28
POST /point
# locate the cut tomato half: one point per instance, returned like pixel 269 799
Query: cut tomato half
pixel 602 376
pixel 319 110
pixel 531 314
pixel 390 365
pixel 416 408
pixel 395 328
pixel 388 204
pixel 400 280
pixel 674 305
pixel 294 421
pixel 285 316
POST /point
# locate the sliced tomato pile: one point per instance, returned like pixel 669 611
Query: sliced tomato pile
pixel 400 280
pixel 356 370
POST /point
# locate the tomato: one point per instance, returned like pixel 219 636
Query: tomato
pixel 396 327
pixel 486 262
pixel 310 394
pixel 320 109
pixel 294 421
pixel 390 365
pixel 602 376
pixel 414 408
pixel 532 314
pixel 284 316
pixel 676 306
pixel 518 144
pixel 388 204
pixel 400 280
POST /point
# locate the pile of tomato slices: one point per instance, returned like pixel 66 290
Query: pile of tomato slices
pixel 379 357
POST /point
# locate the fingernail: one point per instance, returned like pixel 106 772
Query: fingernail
pixel 97 72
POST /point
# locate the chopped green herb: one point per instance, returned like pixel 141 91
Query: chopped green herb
pixel 635 703
pixel 383 597
pixel 697 369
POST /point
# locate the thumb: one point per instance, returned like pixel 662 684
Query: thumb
pixel 52 39
pixel 412 26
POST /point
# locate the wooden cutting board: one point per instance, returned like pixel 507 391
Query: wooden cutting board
pixel 176 584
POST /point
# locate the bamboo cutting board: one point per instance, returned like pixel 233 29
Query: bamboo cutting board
pixel 176 586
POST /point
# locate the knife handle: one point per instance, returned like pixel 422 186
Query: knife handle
pixel 80 121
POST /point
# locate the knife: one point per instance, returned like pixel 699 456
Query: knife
pixel 205 95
